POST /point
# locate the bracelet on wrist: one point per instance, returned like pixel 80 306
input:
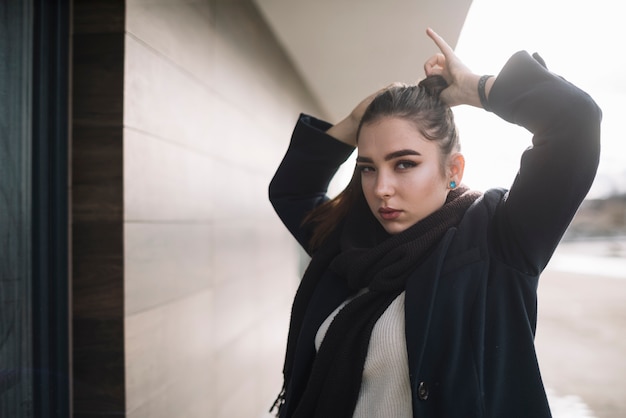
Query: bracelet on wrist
pixel 481 92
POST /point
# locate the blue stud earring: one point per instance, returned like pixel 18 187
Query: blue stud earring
pixel 453 184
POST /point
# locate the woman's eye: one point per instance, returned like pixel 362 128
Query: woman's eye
pixel 403 165
pixel 365 168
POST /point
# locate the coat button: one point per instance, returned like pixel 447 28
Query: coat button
pixel 422 391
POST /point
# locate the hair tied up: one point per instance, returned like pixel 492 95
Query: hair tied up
pixel 433 85
pixel 418 104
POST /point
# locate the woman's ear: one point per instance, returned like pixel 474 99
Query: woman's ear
pixel 456 167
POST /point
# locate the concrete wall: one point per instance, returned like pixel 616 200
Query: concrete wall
pixel 208 272
pixel 209 103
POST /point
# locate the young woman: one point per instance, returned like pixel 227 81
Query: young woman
pixel 420 298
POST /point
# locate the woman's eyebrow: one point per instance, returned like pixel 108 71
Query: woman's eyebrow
pixel 390 156
pixel 401 153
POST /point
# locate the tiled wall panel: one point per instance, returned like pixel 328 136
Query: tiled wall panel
pixel 170 357
pixel 209 272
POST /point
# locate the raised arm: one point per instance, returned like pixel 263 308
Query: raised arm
pixel 301 181
pixel 556 172
pixel 315 152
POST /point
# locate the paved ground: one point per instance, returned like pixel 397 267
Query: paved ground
pixel 581 338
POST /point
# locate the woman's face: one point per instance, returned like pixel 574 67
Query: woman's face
pixel 401 173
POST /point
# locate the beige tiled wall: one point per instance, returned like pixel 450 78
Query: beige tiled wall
pixel 209 272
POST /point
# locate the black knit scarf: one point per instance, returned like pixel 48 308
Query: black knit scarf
pixel 367 257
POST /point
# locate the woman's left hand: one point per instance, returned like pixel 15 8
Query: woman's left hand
pixel 462 82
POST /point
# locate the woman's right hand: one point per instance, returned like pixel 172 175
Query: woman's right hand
pixel 346 130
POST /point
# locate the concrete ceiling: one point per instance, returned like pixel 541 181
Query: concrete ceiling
pixel 346 49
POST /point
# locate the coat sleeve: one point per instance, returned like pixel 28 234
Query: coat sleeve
pixel 301 181
pixel 556 172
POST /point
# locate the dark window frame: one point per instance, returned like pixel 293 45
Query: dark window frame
pixel 50 208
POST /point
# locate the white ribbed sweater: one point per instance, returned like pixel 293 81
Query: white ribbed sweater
pixel 385 388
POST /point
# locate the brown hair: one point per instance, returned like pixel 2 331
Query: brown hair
pixel 419 104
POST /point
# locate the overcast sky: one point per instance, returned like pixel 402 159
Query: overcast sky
pixel 583 41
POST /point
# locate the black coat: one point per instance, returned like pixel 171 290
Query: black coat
pixel 471 307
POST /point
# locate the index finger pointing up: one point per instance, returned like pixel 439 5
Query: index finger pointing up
pixel 443 46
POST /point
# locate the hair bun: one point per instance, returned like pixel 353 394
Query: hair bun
pixel 433 85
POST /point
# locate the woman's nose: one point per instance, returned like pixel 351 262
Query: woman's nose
pixel 384 186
